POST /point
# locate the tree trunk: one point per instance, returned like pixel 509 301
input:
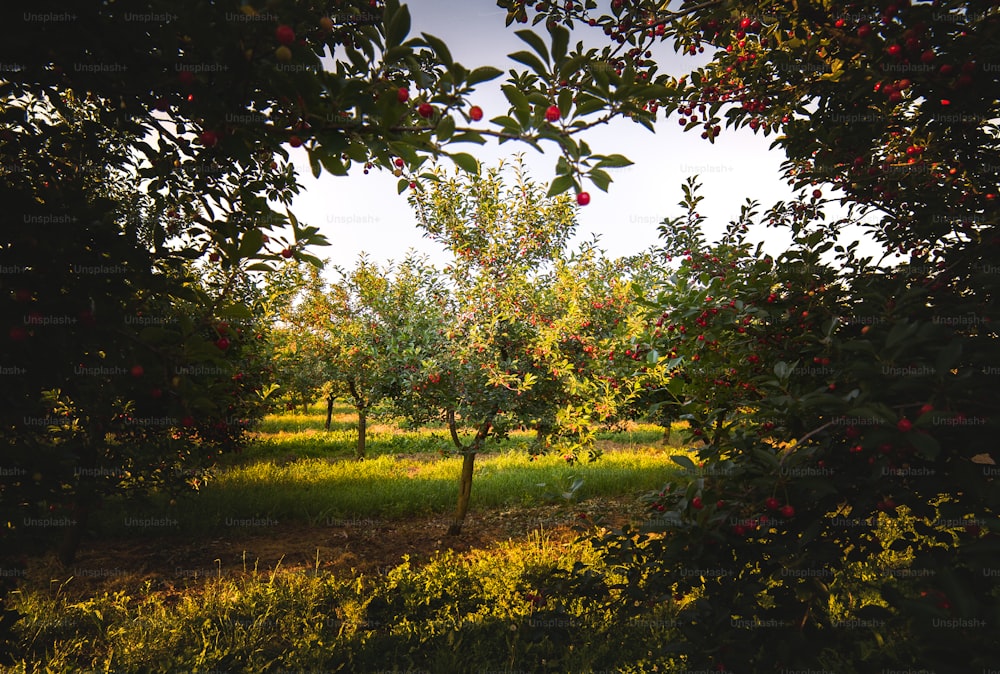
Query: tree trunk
pixel 464 493
pixel 362 431
pixel 329 412
pixel 361 405
pixel 468 463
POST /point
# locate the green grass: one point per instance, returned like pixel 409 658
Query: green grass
pixel 303 435
pixel 454 613
pixel 457 613
pixel 314 489
pixel 296 471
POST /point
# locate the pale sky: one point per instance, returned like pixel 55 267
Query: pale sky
pixel 364 212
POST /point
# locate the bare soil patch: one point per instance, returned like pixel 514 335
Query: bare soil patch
pixel 176 565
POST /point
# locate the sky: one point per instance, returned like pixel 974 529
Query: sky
pixel 364 213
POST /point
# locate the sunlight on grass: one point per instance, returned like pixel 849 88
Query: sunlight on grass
pixel 317 621
pixel 265 493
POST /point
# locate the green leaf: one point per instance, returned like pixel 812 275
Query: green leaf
pixel 559 185
pixel 469 137
pixel 398 28
pixel 333 164
pixel 465 161
pixel 235 311
pixel 565 101
pixel 600 178
pixel 517 99
pixel 530 60
pixel 401 185
pixel 250 243
pixel 560 40
pixel 446 128
pixel 484 74
pixel 439 48
pixel 683 461
pixel 767 458
pixel 535 42
pixel 509 124
pixel 613 161
pixel 588 105
pixel 314 164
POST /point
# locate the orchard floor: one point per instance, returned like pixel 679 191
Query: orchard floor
pixel 173 566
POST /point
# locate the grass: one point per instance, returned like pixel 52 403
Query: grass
pixel 303 435
pixel 503 608
pixel 457 613
pixel 294 470
pixel 483 609
pixel 313 489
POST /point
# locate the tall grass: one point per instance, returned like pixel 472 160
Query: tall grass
pixel 487 610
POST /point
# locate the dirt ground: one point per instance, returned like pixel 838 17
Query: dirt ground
pixel 175 565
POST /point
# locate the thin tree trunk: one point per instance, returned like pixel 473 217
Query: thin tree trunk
pixel 362 407
pixel 362 431
pixel 464 494
pixel 468 463
pixel 329 412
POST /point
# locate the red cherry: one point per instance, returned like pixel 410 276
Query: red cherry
pixel 696 503
pixel 926 408
pixel 136 371
pixel 295 141
pixel 745 23
pixel 905 425
pixel 208 138
pixel 222 343
pixel 475 113
pixel 286 253
pixel 772 503
pixel 817 194
pixel 864 30
pixel 894 50
pixel 928 57
pixel 222 328
pixel 425 110
pixel 583 198
pixel 399 162
pixel 402 94
pixel 214 257
pixel 787 511
pixel 284 34
pixel 839 23
pixel 946 69
pixel 552 114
